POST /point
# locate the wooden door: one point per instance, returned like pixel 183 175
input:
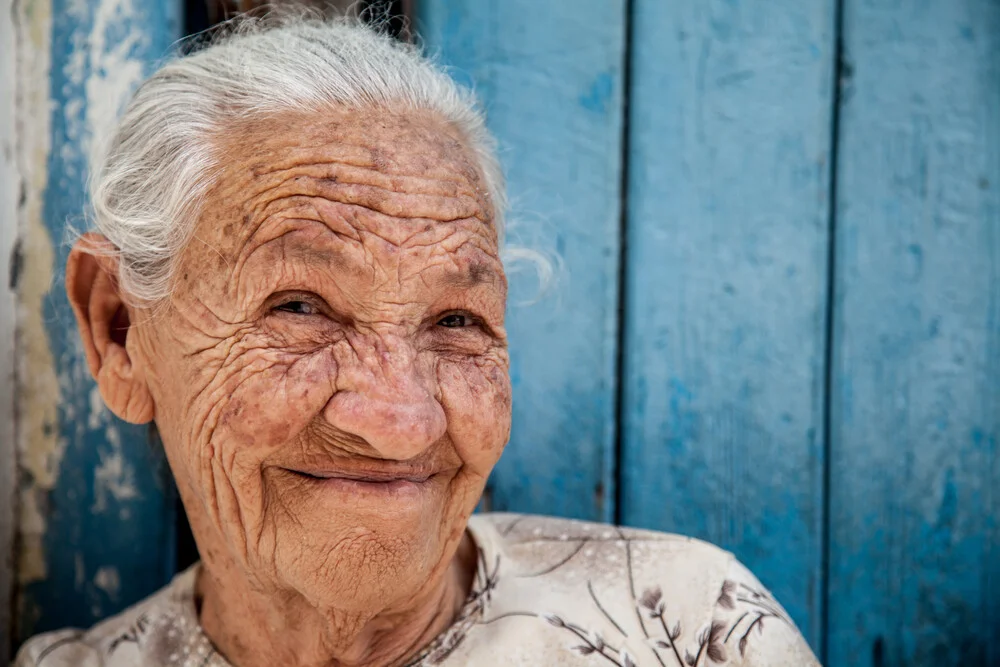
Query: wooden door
pixel 773 319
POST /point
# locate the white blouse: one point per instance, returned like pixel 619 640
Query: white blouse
pixel 549 592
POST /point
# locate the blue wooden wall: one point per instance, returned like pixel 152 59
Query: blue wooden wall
pixel 915 374
pixel 97 507
pixel 726 274
pixel 774 323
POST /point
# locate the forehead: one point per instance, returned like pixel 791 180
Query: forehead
pixel 395 175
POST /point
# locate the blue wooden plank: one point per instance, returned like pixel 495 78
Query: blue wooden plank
pixel 915 563
pixel 550 76
pixel 726 275
pixel 97 501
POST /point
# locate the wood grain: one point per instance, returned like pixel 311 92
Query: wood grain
pixel 915 563
pixel 550 75
pixel 96 503
pixel 726 275
pixel 9 185
pixel 221 10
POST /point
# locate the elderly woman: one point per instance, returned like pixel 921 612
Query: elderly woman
pixel 296 275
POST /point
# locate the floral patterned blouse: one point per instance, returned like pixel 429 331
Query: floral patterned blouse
pixel 549 592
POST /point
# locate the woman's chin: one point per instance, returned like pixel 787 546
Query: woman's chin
pixel 360 566
pixel 351 543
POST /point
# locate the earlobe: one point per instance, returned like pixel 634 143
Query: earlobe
pixel 125 395
pixel 103 320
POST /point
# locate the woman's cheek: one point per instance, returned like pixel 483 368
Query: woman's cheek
pixel 476 396
pixel 276 398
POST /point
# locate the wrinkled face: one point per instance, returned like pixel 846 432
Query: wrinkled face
pixel 331 377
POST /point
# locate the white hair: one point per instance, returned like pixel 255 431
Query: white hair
pixel 147 189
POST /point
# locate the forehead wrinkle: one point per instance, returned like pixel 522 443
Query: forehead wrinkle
pixel 343 151
pixel 428 247
pixel 471 264
pixel 370 138
pixel 305 208
pixel 440 207
pixel 395 149
pixel 398 231
pixel 423 182
pixel 291 217
pixel 480 238
pixel 311 249
pixel 284 216
pixel 269 231
pixel 300 212
pixel 302 154
pixel 417 233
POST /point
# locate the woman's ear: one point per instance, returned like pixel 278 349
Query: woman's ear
pixel 103 319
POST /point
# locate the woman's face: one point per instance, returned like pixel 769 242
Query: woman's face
pixel 330 378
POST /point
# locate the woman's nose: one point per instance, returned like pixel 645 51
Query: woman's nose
pixel 391 406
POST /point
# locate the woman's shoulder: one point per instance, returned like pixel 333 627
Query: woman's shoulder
pixel 655 596
pixel 70 644
pixel 527 537
pixel 126 639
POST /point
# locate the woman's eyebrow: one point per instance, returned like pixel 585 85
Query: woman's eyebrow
pixel 291 246
pixel 314 253
pixel 477 273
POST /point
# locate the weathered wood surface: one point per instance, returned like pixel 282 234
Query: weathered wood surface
pixel 915 476
pixel 221 10
pixel 9 185
pixel 95 520
pixel 728 235
pixel 726 275
pixel 550 75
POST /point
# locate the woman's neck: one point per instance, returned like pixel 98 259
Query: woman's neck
pixel 252 629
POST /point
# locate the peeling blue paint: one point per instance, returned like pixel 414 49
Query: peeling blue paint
pixel 128 536
pixel 600 94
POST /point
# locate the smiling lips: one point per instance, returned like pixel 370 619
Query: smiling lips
pixel 368 477
pixel 372 482
pixel 371 487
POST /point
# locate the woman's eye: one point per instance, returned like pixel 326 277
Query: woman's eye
pixel 297 308
pixel 454 321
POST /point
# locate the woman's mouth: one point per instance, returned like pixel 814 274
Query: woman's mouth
pixel 374 478
pixel 359 484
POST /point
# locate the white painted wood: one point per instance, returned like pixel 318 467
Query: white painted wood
pixel 9 186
